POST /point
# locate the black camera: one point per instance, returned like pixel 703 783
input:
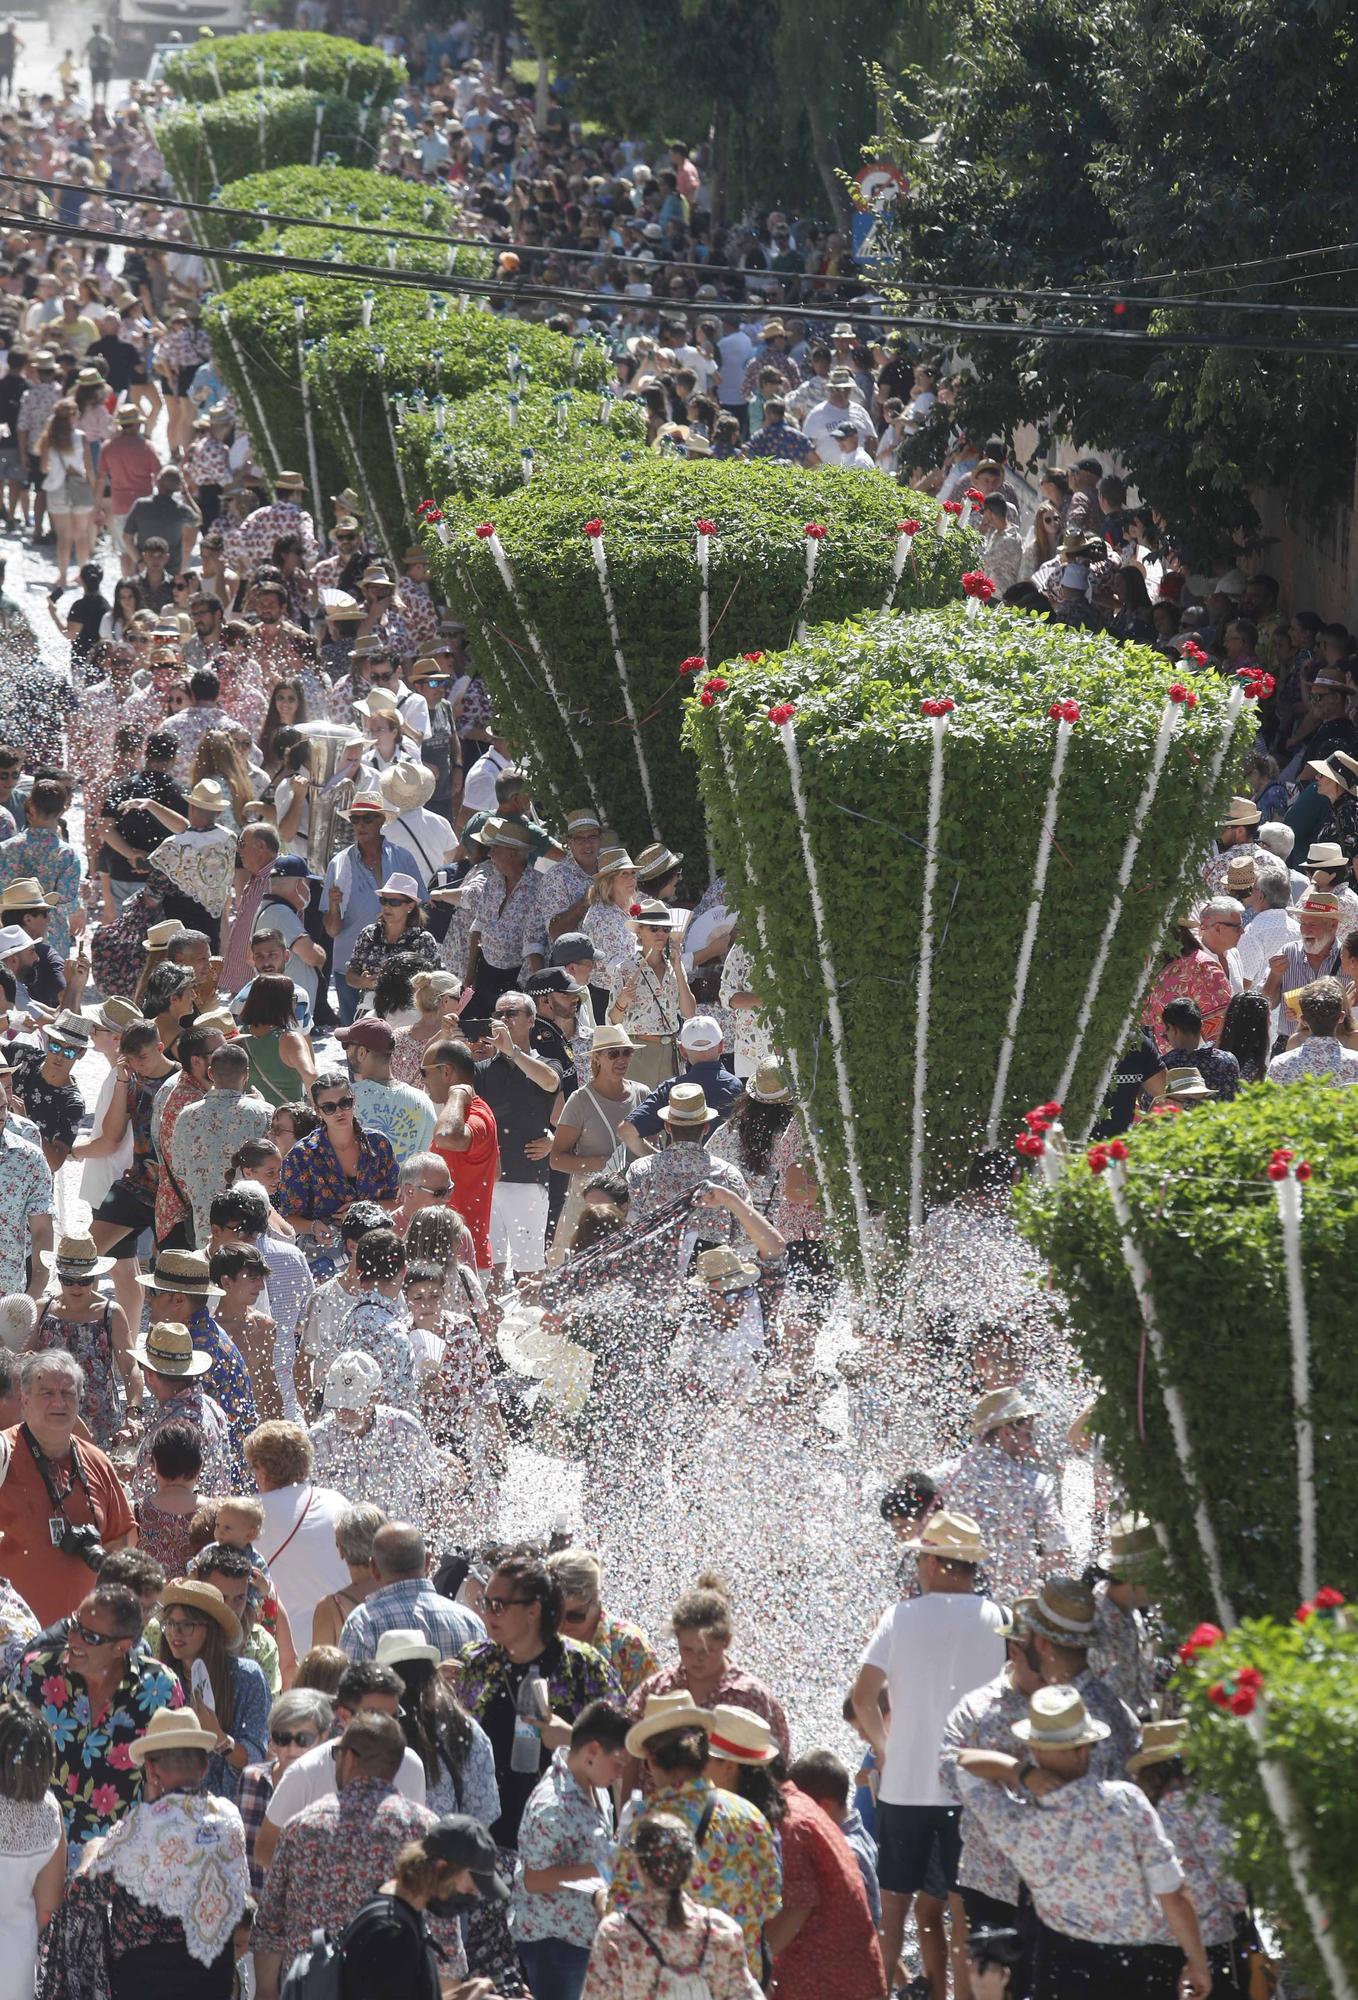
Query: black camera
pixel 82 1541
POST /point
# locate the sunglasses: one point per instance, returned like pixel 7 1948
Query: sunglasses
pixel 93 1638
pixel 508 1013
pixel 616 1055
pixel 63 1049
pixel 305 1739
pixel 345 1103
pixel 394 902
pixel 135 639
pixel 580 1617
pixel 498 1604
pixel 179 1628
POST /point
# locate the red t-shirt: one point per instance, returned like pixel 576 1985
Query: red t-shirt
pixel 130 465
pixel 473 1173
pixel 50 1583
pixel 836 1950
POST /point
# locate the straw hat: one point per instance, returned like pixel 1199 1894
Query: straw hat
pixel 209 797
pixel 369 800
pixel 1161 1743
pixel 612 860
pixel 741 1735
pixel 1008 1405
pixel 505 833
pixel 1326 854
pixel 951 1537
pixel 180 1271
pixel 768 1085
pixel 1063 1611
pixel 1131 1538
pixel 116 1014
pixel 171 1729
pixel 1242 872
pixel 406 786
pixel 26 894
pixel 1331 768
pixel 1185 1086
pixel 220 1018
pixel 721 1270
pixel 68 1027
pixel 167 1349
pixel 159 935
pixel 1241 812
pixel 606 1036
pixel 687 1106
pixel 662 1713
pixel 582 819
pixel 1317 903
pixel 18 1317
pixel 655 862
pixel 77 1257
pixel 378 701
pixel 348 503
pixel 204 1597
pixel 653 913
pixel 289 482
pixel 405 1642
pixel 1057 1719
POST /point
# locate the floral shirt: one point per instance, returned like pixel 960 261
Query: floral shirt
pixel 653 1008
pixel 563 884
pixel 25 1191
pixel 1094 1854
pixel 18 1629
pixel 381 1327
pixel 653 1183
pixel 190 1405
pixel 372 949
pixel 486 1683
pixel 200 864
pixel 228 1383
pixel 95 1777
pixel 736 1869
pixel 622 1965
pixel 509 925
pixel 627 1650
pixel 1319 1055
pixel 561 1823
pixel 312 1184
pixel 983 1720
pixel 42 852
pixel 614 944
pixel 1197 976
pixel 393 1463
pixel 1017 1508
pixel 1123 1652
pixel 250 544
pixel 205 463
pixel 1206 1851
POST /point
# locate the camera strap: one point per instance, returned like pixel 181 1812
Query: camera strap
pixel 58 1500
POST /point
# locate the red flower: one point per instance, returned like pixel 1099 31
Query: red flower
pixel 907 527
pixel 752 658
pixel 952 506
pixel 634 909
pixel 429 510
pixel 593 528
pixel 1030 1145
pixel 1190 700
pixel 814 532
pixel 1218 1695
pixel 1116 1150
pixel 716 685
pixel 943 705
pixel 781 712
pixel 1281 1153
pixel 706 527
pixel 977 584
pixel 705 700
pixel 692 663
pixel 1052 1110
pixel 1200 1640
pixel 1302 1170
pixel 975 496
pixel 485 531
pixel 1250 1677
pixel 1177 691
pixel 1193 653
pixel 1064 711
pixel 1328 1599
pixel 1276 1170
pixel 1242 1701
pixel 1037 1120
pixel 1097 1156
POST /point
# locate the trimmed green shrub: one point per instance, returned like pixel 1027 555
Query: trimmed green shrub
pixel 212 69
pixel 866 755
pixel 648 508
pixel 479 454
pixel 346 194
pixel 1307 1697
pixel 1205 1218
pixel 205 146
pixel 321 241
pixel 451 356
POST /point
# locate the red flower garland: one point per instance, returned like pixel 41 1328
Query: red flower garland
pixel 593 529
pixel 943 705
pixel 1064 711
pixel 907 527
pixel 485 531
pixel 814 532
pixel 1116 1150
pixel 977 584
pixel 692 663
pixel 782 711
pixel 752 659
pixel 1097 1159
pixel 706 527
pixel 1030 1145
pixel 1279 1162
pixel 952 506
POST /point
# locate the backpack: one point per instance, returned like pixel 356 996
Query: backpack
pixel 318 1972
pixel 672 1984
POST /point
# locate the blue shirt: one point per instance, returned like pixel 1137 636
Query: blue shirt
pixel 359 905
pixel 721 1088
pixel 408 1604
pixel 312 1184
pixel 228 1383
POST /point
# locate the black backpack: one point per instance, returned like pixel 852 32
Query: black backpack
pixel 317 1973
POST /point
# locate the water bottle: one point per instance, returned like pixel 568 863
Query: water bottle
pixel 635 1804
pixel 526 1751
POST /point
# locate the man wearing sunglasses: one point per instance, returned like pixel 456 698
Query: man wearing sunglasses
pixel 43 1086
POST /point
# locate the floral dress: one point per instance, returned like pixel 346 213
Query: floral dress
pixel 91 1343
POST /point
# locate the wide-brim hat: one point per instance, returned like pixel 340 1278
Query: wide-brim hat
pixel 687 1106
pixel 1242 871
pixel 1062 1610
pixel 741 1735
pixel 14 939
pixel 1131 1541
pixel 379 702
pixel 1331 768
pixel 127 416
pixel 613 860
pixel 347 502
pixel 1185 1086
pixel 656 861
pixel 505 833
pixel 352 1381
pixel 722 1270
pixel 1161 1743
pixel 377 578
pixel 1008 1405
pixel 160 934
pixel 405 1642
pixel 68 1027
pixel 368 801
pixel 1057 1719
pixel 1241 812
pixel 407 785
pixel 209 797
pixel 652 914
pixel 26 894
pixel 608 1036
pixel 768 1085
pixel 289 482
pixel 170 1729
pixel 664 1712
pixel 1326 854
pixel 180 1271
pixel 167 1348
pixel 77 1257
pixel 204 1597
pixel 950 1537
pixel 1317 903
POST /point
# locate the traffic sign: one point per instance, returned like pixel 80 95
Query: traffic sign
pixel 880 181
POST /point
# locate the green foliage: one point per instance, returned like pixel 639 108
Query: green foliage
pixel 479 455
pixel 649 508
pixel 324 243
pixel 405 355
pixel 1205 1219
pixel 866 755
pixel 327 63
pixel 1309 1706
pixel 338 194
pixel 210 144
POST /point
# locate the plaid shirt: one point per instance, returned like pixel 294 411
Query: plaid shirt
pixel 256 1789
pixel 403 1606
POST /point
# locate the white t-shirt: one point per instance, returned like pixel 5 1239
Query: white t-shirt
pixel 305 1566
pixel 312 1777
pixel 478 791
pixel 283 918
pixel 934 1650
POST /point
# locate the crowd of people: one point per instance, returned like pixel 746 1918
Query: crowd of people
pixel 360 1124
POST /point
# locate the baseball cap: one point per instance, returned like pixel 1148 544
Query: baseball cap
pixel 701 1032
pixel 367 1034
pixel 289 864
pixel 462 1842
pixel 551 979
pixel 571 947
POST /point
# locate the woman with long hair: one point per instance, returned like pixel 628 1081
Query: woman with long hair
pixel 32 1844
pixel 1040 545
pixel 219 756
pixel 749 1139
pixel 280 1054
pixel 229 1695
pixel 650 994
pixel 459 1764
pixel 287 708
pixel 1247 1034
pixel 128 600
pixel 400 928
pixel 68 483
pixel 288 793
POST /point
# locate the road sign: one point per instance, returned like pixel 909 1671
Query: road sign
pixel 880 181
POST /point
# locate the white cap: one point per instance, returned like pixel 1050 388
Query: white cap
pixel 353 1381
pixel 703 1031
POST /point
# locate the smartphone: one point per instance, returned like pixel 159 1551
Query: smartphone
pixel 475 1031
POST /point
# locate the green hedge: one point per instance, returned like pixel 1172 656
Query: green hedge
pixel 327 63
pixel 208 145
pixel 866 754
pixel 344 194
pixel 1308 1698
pixel 452 357
pixel 322 241
pixel 649 508
pixel 478 456
pixel 1205 1218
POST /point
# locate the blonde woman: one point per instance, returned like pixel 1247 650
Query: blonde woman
pixel 586 1135
pixel 68 485
pixel 650 994
pixel 220 756
pixel 605 922
pixel 435 996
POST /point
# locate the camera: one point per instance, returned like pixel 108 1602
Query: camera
pixel 82 1541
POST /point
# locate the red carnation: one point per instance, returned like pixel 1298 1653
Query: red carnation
pixel 716 685
pixel 814 532
pixel 1302 1171
pixel 705 700
pixel 752 658
pixel 1177 691
pixel 1193 652
pixel 706 527
pixel 952 506
pixel 1051 1110
pixel 1038 1119
pixel 1116 1150
pixel 907 527
pixel 634 909
pixel 1097 1156
pixel 1029 1144
pixel 1267 684
pixel 1250 1677
pixel 1242 1701
pixel 1199 1640
pixel 975 496
pixel 781 712
pixel 1218 1695
pixel 692 663
pixel 593 528
pixel 485 530
pixel 1276 1170
pixel 977 584
pixel 1282 1153
pixel 1190 700
pixel 1328 1599
pixel 942 705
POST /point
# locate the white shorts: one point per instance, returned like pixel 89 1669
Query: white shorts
pixel 518 1225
